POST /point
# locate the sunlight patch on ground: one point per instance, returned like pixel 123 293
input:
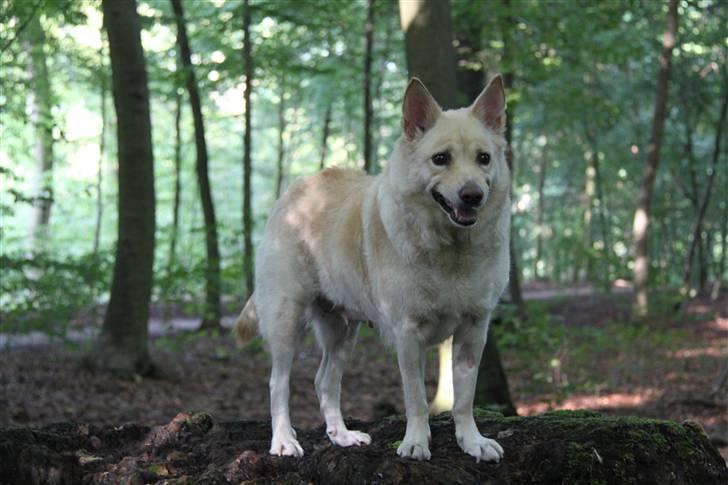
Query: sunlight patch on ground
pixel 612 400
pixel 700 352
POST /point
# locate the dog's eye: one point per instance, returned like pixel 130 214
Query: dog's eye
pixel 483 158
pixel 441 159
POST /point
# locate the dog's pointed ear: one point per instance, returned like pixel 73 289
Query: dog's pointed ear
pixel 490 107
pixel 419 110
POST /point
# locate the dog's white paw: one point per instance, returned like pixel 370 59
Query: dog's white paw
pixel 415 450
pixel 347 437
pixel 288 446
pixel 482 448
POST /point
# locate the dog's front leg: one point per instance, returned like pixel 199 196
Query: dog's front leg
pixel 468 343
pixel 411 358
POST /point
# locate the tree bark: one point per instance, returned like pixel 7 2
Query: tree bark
pixel 247 165
pixel 281 147
pixel 122 345
pixel 102 152
pixel 428 36
pixel 697 228
pixel 641 222
pixel 325 137
pixel 174 230
pixel 212 312
pixel 40 102
pixel 540 215
pixel 369 43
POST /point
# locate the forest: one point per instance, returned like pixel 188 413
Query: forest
pixel 144 142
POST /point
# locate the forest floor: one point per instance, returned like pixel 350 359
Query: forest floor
pixel 576 352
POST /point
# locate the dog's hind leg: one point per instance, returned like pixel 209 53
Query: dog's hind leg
pixel 337 338
pixel 283 329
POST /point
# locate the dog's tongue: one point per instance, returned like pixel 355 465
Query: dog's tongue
pixel 465 217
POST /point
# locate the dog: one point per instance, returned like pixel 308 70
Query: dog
pixel 420 250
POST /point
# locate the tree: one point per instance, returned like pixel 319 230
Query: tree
pixel 641 221
pixel 719 134
pixel 122 345
pixel 103 84
pixel 247 166
pixel 211 318
pixel 40 103
pixel 369 42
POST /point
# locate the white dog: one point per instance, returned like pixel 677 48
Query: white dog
pixel 420 250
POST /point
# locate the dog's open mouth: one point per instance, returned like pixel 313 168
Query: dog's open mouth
pixel 461 216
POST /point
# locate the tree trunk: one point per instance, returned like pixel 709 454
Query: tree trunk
pixel 247 166
pixel 428 36
pixel 369 43
pixel 102 151
pixel 492 386
pixel 325 137
pixel 540 216
pixel 40 102
pixel 697 228
pixel 174 230
pixel 211 318
pixel 641 221
pixel 122 345
pixel 281 147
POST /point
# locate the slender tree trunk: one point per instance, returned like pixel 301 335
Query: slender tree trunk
pixel 369 43
pixel 641 221
pixel 715 293
pixel 211 318
pixel 697 228
pixel 376 120
pixel 540 215
pixel 247 166
pixel 600 204
pixel 40 102
pixel 102 152
pixel 281 147
pixel 122 345
pixel 325 137
pixel 514 282
pixel 174 230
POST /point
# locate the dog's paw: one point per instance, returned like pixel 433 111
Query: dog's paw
pixel 347 437
pixel 286 447
pixel 482 448
pixel 414 450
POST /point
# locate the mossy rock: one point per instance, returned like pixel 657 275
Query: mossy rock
pixel 564 447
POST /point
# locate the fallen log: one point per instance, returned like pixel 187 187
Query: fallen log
pixel 558 447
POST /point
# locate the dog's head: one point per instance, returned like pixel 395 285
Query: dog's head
pixel 455 158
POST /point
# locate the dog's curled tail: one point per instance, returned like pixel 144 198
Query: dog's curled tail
pixel 246 326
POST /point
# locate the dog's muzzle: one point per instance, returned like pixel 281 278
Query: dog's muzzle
pixel 462 214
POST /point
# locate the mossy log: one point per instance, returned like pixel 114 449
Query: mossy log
pixel 560 448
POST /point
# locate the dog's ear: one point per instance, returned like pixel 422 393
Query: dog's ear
pixel 419 110
pixel 490 107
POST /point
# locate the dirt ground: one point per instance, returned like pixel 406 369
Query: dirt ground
pixel 663 369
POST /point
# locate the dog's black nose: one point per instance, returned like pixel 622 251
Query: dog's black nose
pixel 471 194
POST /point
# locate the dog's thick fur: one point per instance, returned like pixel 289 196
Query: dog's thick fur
pixel 420 250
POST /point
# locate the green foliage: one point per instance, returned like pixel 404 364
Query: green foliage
pixel 44 292
pixel 583 90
